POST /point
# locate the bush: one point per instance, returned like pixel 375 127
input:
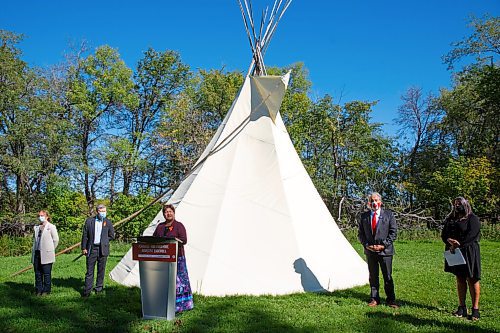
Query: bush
pixel 15 246
pixel 67 208
pixel 21 246
pixel 488 231
pixel 124 206
pixel 69 238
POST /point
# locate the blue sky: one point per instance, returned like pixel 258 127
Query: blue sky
pixel 354 50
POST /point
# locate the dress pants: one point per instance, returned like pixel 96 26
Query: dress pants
pixel 385 263
pixel 94 257
pixel 43 275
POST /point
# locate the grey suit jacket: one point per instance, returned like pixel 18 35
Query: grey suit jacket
pixel 107 233
pixel 385 233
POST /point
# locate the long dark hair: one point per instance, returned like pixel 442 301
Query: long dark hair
pixel 454 214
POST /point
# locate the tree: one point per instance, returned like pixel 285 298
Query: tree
pixel 471 178
pixel 99 86
pixel 160 77
pixel 484 43
pixel 186 127
pixel 466 137
pixel 471 108
pixel 17 88
pixel 417 117
pixel 32 124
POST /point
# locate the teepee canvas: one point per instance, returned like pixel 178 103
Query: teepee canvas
pixel 255 222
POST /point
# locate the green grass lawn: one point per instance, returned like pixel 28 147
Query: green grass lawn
pixel 427 295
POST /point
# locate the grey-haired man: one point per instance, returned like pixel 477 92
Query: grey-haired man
pixel 377 233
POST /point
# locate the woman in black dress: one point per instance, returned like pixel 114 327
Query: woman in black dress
pixel 461 231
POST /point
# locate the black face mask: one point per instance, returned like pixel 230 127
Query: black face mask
pixel 460 209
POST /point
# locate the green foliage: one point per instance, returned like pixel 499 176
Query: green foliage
pixel 490 231
pixel 458 154
pixel 467 177
pixel 485 40
pixel 471 109
pixel 15 246
pixel 29 150
pixel 69 238
pixel 159 79
pixel 124 206
pixel 21 246
pixel 66 207
pixel 186 127
pixel 215 95
pixel 99 86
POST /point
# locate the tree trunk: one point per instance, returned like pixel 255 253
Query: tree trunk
pixel 20 207
pixel 127 180
pixel 112 185
pixel 85 161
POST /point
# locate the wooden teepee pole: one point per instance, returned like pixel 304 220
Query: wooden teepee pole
pixel 115 225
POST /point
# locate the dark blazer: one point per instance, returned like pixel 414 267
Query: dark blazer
pixel 385 233
pixel 108 233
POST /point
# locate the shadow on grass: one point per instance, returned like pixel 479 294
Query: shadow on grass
pixel 392 323
pixel 234 314
pixel 353 294
pixel 67 311
pixel 71 282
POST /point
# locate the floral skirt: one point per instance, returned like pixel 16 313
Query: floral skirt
pixel 184 296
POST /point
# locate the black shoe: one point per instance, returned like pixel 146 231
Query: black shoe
pixel 393 304
pixel 461 312
pixel 475 314
pixel 85 295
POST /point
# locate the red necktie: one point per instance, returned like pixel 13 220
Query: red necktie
pixel 374 222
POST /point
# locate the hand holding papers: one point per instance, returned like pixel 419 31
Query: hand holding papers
pixel 454 258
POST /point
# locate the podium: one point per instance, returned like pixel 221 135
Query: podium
pixel 157 258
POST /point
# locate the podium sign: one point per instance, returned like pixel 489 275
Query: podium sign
pixel 157 272
pixel 154 252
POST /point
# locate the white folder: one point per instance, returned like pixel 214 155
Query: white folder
pixel 455 258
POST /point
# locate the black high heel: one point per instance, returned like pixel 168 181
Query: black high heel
pixel 461 312
pixel 475 314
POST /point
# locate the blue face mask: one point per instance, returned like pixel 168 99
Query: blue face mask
pixel 102 215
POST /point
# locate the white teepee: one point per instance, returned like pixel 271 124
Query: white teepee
pixel 255 222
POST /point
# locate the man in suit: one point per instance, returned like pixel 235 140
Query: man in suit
pixel 97 232
pixel 377 232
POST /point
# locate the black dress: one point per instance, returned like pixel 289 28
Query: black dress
pixel 467 233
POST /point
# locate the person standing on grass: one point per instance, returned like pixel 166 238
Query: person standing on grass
pixel 43 253
pixel 377 232
pixel 462 231
pixel 97 232
pixel 172 228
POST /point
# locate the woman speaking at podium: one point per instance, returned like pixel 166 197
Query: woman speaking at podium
pixel 175 229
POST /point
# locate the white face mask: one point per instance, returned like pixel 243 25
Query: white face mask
pixel 102 215
pixel 41 219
